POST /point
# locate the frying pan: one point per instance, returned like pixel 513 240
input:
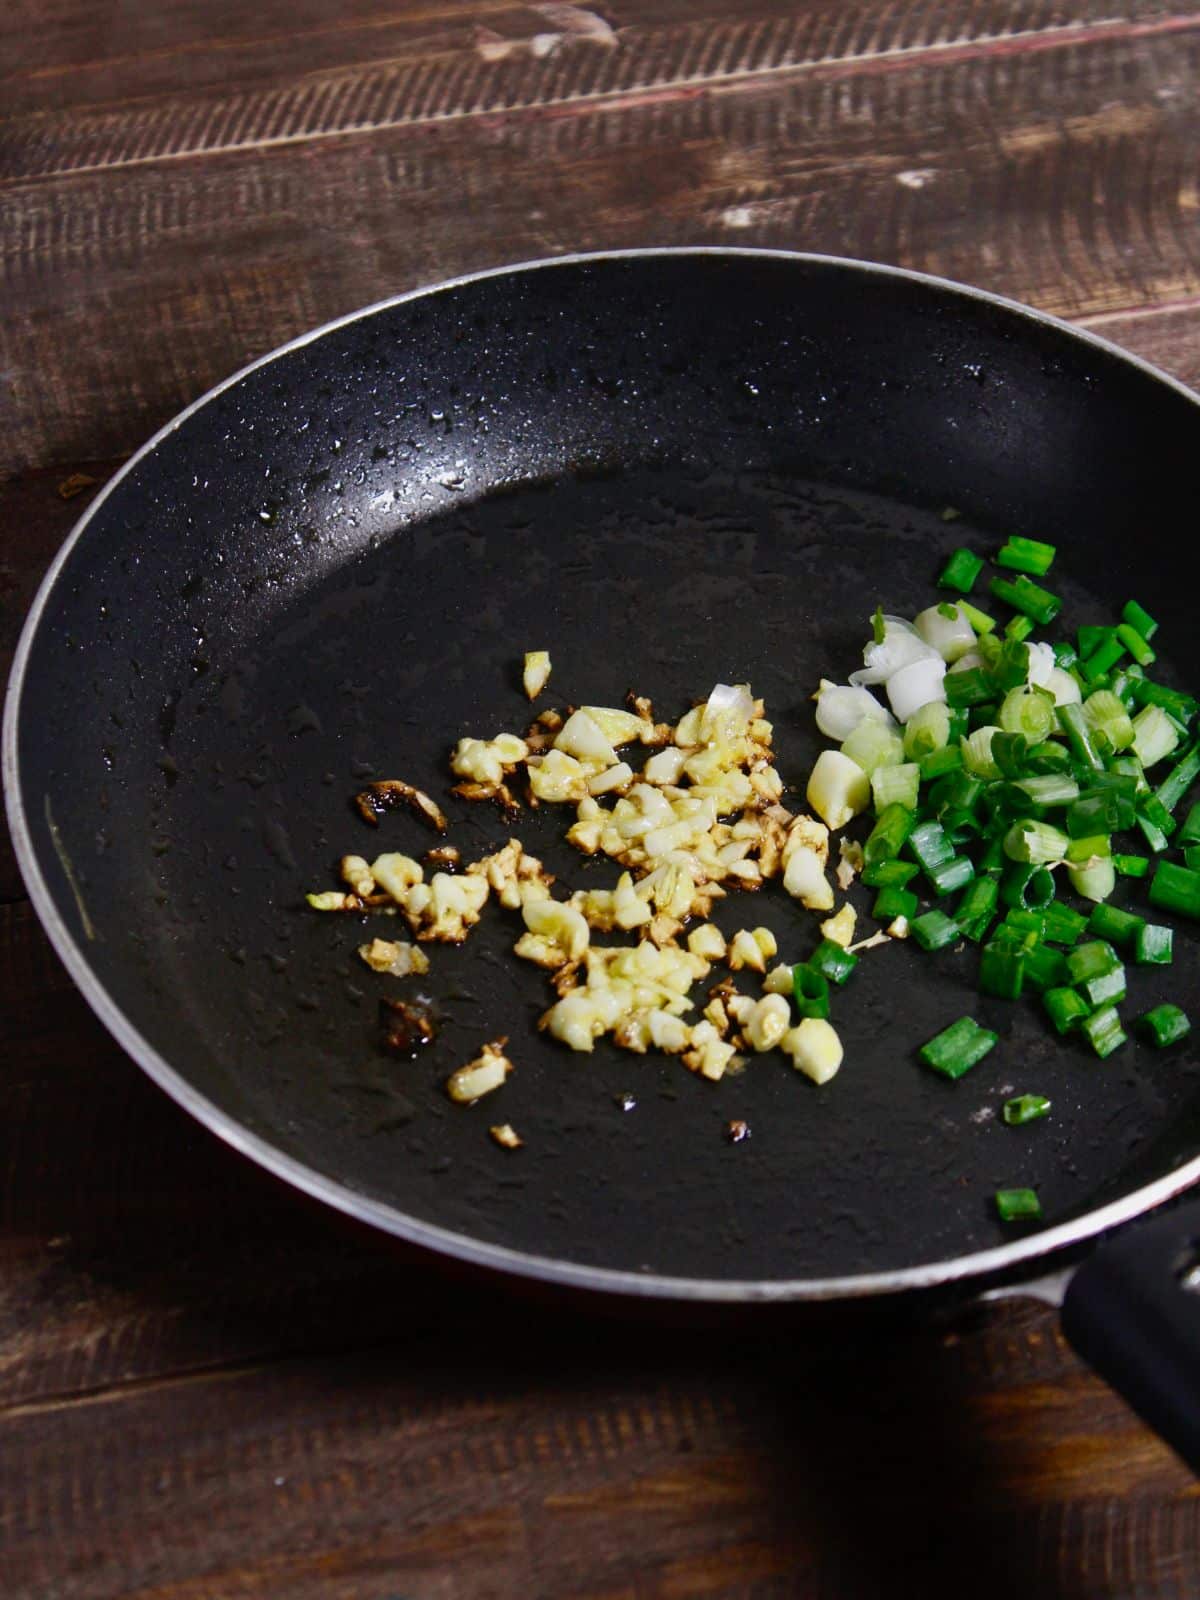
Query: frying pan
pixel 667 468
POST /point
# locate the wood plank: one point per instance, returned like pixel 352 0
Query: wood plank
pixel 144 285
pixel 440 1467
pixel 362 63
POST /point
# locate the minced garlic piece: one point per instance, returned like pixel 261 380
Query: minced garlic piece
pixel 479 1077
pixel 397 960
pixel 840 929
pixel 504 1133
pixel 537 672
pixel 815 1048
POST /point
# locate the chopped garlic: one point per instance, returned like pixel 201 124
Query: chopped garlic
pixel 804 879
pixel 332 900
pixel 558 776
pixel 751 949
pixel 768 1022
pixel 479 1077
pixel 614 779
pixel 536 673
pixel 708 1054
pixel 397 874
pixel 708 941
pixel 840 929
pixel 561 925
pixel 516 878
pixel 851 862
pixel 488 761
pixel 582 738
pixel 618 727
pixel 665 766
pixel 397 960
pixel 779 980
pixel 358 875
pixel 815 1049
pixel 898 928
pixel 446 907
pixel 504 1133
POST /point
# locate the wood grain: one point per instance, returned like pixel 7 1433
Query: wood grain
pixel 1064 175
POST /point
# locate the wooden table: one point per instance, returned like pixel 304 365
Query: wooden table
pixel 208 1389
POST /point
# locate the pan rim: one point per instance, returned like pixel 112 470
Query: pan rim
pixel 974 1268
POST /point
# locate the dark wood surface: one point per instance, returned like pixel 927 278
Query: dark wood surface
pixel 208 1388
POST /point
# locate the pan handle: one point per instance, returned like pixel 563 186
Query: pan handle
pixel 1132 1311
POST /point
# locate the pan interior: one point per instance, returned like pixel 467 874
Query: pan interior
pixel 331 572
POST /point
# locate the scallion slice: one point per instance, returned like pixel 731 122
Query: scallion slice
pixel 1036 842
pixel 1164 1025
pixel 958 1048
pixel 1132 641
pixel 1175 888
pixel 1153 945
pixel 1179 780
pixel 810 991
pixel 1026 555
pixel 832 962
pixel 1132 866
pixel 1025 1108
pixel 1026 596
pixel 934 930
pixel 1066 1009
pixel 1104 1031
pixel 961 571
pixel 893 874
pixel 1018 1205
pixel 1137 617
pixel 1110 922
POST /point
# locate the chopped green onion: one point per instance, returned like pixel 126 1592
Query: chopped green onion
pixel 1080 736
pixel 1138 618
pixel 894 902
pixel 1175 888
pixel 1132 641
pixel 1093 847
pixel 1028 711
pixel 1179 780
pixel 832 961
pixel 933 930
pixel 893 874
pixel 1090 637
pixel 929 845
pixel 872 745
pixel 1164 1025
pixel 896 786
pixel 1036 842
pixel 1027 886
pixel 1018 627
pixel 1065 654
pixel 1010 666
pixel 1132 866
pixel 1026 555
pixel 971 687
pixel 1009 752
pixel 1191 857
pixel 1104 1031
pixel 1065 1008
pixel 1092 960
pixel 961 571
pixel 939 762
pixel 1095 881
pixel 979 620
pixel 878 625
pixel 1045 968
pixel 894 825
pixel 1025 1108
pixel 1102 659
pixel 1152 833
pixel 958 1048
pixel 927 730
pixel 1018 1205
pixel 810 991
pixel 1027 927
pixel 1154 735
pixel 977 908
pixel 1105 712
pixel 1152 810
pixel 1190 832
pixel 1063 924
pixel 1152 946
pixel 1050 789
pixel 1023 595
pixel 950 875
pixel 1097 813
pixel 1002 970
pixel 1110 922
pixel 1182 706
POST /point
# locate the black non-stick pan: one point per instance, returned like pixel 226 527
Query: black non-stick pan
pixel 668 469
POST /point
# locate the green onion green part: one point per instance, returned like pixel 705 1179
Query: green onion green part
pixel 810 991
pixel 1163 1025
pixel 1025 1108
pixel 961 571
pixel 1104 1031
pixel 958 1048
pixel 1018 1205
